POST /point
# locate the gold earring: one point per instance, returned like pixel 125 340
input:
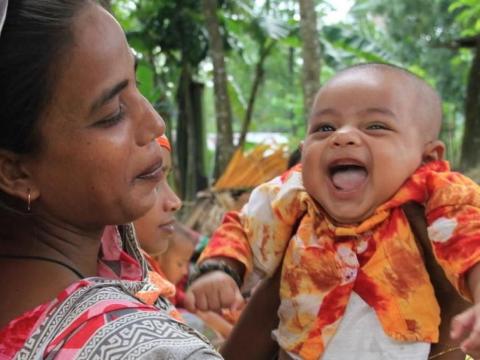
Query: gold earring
pixel 29 201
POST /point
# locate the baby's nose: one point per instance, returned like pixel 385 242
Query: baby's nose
pixel 346 137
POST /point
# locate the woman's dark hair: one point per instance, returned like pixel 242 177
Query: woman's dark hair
pixel 35 35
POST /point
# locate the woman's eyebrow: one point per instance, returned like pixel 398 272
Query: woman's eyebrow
pixel 108 95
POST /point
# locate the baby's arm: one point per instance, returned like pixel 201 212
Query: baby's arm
pixel 255 239
pixel 215 290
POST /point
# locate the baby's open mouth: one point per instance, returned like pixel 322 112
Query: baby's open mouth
pixel 348 177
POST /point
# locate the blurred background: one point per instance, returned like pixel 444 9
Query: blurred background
pixel 234 79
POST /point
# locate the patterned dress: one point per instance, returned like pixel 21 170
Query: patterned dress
pixel 378 259
pixel 119 315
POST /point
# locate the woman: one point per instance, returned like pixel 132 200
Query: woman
pixel 77 153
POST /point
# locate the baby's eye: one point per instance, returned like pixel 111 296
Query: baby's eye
pixel 324 128
pixel 377 126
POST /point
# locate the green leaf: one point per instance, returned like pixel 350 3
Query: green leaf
pixel 146 80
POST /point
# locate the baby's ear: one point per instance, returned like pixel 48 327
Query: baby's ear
pixel 434 150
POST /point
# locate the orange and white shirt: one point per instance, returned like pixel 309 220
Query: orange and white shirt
pixel 377 259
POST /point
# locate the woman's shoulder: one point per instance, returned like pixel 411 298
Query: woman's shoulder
pixel 144 335
pixel 103 320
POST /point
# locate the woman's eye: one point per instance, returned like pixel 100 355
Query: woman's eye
pixel 113 119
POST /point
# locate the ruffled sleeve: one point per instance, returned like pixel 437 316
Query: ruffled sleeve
pixel 259 234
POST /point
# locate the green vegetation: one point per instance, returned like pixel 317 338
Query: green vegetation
pixel 259 50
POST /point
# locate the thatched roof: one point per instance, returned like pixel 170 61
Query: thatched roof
pixel 245 171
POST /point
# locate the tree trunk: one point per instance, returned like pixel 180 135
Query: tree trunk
pixel 471 133
pixel 257 80
pixel 310 53
pixel 199 146
pixel 185 136
pixel 223 110
pixel 291 76
pixel 190 137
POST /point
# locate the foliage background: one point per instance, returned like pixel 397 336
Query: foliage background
pixel 263 46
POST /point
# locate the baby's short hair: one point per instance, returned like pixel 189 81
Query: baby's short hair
pixel 426 95
pixel 381 66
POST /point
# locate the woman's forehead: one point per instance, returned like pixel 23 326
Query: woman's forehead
pixel 99 60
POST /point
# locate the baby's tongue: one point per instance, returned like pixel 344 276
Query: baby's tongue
pixel 349 178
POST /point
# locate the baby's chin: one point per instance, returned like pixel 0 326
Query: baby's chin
pixel 339 219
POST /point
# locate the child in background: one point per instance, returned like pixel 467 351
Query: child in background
pixel 175 264
pixel 168 246
pixel 156 227
pixel 353 281
pixel 175 260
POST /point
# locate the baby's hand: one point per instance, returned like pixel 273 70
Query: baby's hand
pixel 466 327
pixel 213 291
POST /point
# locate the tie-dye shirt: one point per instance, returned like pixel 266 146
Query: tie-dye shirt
pixel 378 259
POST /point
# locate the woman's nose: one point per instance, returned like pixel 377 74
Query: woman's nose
pixel 173 202
pixel 150 124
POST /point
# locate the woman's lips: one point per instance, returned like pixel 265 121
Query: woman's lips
pixel 167 227
pixel 153 172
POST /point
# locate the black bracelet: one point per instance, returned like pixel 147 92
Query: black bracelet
pixel 207 267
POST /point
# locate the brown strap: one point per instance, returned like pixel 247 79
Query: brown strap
pixel 451 303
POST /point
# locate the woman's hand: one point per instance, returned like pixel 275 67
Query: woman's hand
pixel 466 326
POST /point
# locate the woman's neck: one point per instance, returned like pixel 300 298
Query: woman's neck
pixel 30 281
pixel 35 236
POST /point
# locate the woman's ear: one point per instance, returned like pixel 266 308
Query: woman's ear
pixel 15 179
pixel 434 150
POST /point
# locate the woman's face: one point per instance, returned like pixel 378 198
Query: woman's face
pixel 155 228
pixel 98 162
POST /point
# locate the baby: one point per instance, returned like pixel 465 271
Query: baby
pixel 174 264
pixel 175 261
pixel 353 280
pixel 155 229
